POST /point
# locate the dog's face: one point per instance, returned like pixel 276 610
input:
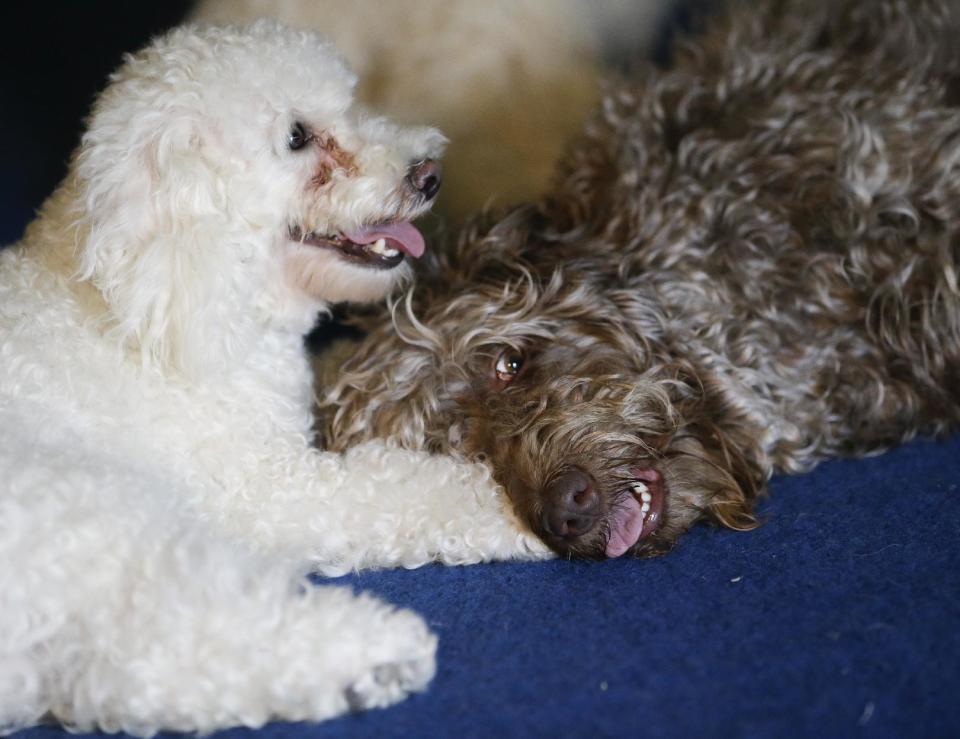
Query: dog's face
pixel 338 186
pixel 559 379
pixel 228 170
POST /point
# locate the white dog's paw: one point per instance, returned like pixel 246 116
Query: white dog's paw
pixel 251 657
pixel 388 683
pixel 402 661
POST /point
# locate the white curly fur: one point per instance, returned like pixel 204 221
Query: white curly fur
pixel 160 500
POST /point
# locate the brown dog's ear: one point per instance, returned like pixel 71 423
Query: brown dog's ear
pixel 711 474
pixel 732 502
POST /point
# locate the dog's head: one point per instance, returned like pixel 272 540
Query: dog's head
pixel 226 179
pixel 557 373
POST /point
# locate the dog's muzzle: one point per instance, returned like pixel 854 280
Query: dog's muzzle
pixel 425 178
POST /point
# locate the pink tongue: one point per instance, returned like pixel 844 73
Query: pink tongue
pixel 626 523
pixel 405 236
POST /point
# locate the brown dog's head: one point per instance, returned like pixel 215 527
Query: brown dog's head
pixel 558 373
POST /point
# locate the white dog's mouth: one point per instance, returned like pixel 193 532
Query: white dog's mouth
pixel 380 246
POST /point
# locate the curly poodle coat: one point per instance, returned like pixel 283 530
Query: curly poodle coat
pixel 160 498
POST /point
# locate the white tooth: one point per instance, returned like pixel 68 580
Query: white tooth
pixel 646 496
pixel 390 252
pixel 644 508
pixel 639 487
pixel 378 246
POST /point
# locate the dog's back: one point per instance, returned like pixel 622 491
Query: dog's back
pixel 792 190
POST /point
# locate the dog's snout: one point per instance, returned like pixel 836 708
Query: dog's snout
pixel 425 177
pixel 571 505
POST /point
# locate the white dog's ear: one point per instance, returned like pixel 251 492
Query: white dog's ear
pixel 156 244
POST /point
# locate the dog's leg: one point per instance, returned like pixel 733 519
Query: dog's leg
pixel 373 507
pixel 407 508
pixel 192 634
pixel 122 611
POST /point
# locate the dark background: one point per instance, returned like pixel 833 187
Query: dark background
pixel 54 58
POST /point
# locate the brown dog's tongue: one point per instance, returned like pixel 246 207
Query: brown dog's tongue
pixel 626 524
pixel 402 236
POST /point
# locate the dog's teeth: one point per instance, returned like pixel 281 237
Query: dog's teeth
pixel 641 489
pixel 380 247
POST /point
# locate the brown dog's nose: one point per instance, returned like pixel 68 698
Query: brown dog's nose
pixel 571 505
pixel 425 177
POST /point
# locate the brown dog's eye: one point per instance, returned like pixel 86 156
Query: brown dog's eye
pixel 508 365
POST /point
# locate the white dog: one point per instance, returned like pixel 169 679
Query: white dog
pixel 160 501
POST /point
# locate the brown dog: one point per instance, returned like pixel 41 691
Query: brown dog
pixel 749 264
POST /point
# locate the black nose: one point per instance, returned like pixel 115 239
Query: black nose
pixel 571 505
pixel 425 177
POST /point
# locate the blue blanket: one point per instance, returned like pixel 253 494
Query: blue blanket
pixel 840 616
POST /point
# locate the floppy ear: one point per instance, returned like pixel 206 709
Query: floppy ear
pixel 711 464
pixel 156 244
pixel 736 485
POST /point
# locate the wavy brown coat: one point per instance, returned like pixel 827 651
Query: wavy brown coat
pixel 749 263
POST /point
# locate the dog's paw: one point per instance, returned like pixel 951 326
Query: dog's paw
pixel 402 661
pixel 386 684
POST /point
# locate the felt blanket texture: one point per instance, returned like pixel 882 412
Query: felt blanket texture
pixel 839 617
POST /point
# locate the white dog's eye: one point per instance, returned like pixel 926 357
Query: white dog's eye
pixel 298 137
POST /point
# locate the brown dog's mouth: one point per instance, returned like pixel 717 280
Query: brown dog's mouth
pixel 638 513
pixel 380 245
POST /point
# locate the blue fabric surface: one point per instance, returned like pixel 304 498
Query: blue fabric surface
pixel 838 617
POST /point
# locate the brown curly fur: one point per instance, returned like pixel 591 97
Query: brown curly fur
pixel 749 263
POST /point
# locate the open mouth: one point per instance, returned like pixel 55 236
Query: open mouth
pixel 379 246
pixel 638 513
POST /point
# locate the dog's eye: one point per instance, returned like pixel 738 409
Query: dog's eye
pixel 508 365
pixel 298 137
